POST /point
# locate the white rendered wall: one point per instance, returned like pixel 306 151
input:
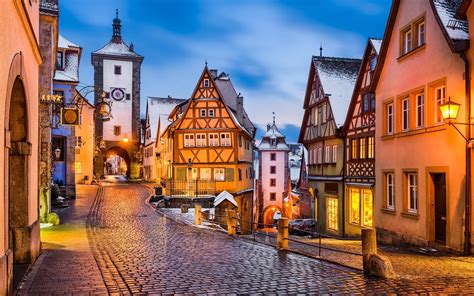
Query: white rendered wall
pixel 280 176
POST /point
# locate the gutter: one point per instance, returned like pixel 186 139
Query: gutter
pixel 467 205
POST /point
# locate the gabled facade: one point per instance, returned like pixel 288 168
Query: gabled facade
pixel 421 164
pixel 359 132
pixel 207 149
pixel 328 93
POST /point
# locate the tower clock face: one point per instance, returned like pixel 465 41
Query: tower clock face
pixel 118 94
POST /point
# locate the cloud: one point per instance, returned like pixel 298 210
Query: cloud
pixel 367 6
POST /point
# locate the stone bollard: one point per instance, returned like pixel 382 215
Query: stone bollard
pixel 369 246
pixel 373 263
pixel 197 214
pixel 231 222
pixel 282 237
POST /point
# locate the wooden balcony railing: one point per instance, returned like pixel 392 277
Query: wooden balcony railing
pixel 190 188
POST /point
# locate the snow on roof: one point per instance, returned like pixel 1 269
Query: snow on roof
pixel 338 77
pixel 117 48
pixel 377 44
pixel 70 73
pixel 65 43
pixel 447 11
pixel 273 133
pixel 158 110
pixel 224 195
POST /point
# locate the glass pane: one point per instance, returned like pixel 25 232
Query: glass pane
pixel 368 207
pixel 355 205
pixel 332 211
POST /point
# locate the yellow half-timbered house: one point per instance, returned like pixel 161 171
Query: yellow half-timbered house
pixel 208 145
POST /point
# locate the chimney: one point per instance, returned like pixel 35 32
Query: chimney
pixel 132 47
pixel 240 108
pixel 213 73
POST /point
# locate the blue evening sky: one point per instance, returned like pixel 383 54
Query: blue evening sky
pixel 265 46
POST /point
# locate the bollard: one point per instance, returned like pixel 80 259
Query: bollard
pixel 369 247
pixel 197 214
pixel 282 237
pixel 231 222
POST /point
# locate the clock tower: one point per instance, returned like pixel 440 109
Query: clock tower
pixel 117 71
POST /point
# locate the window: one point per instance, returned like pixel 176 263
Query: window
pixel 405 114
pixel 219 174
pixel 272 196
pixel 334 153
pixel 58 143
pixel 240 175
pixel 420 110
pixel 273 182
pixel 210 112
pixel 407 41
pixel 320 155
pixel 201 140
pixel 117 70
pixel 79 142
pixel 412 192
pixel 315 116
pixel 273 169
pixel 327 154
pixel 188 140
pixel 117 130
pixel 206 83
pixel 214 140
pixel 354 149
pixel 390 118
pixel 273 156
pixel 240 140
pixel 323 110
pixel 355 205
pixel 362 148
pixel 440 95
pixel 371 148
pixel 205 174
pixel 373 63
pixel 365 103
pixel 367 208
pixel 78 167
pixel 372 102
pixel 60 60
pixel 420 28
pixel 390 191
pixel 203 112
pixel 332 213
pixel 225 139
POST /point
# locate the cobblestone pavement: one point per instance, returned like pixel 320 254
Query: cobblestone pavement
pixel 140 251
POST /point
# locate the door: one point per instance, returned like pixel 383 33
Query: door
pixel 439 181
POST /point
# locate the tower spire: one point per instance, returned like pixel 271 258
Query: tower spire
pixel 273 118
pixel 117 27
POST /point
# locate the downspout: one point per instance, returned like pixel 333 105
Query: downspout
pixel 467 222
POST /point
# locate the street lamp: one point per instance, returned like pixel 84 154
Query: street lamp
pixel 449 112
pixel 125 140
pixel 57 153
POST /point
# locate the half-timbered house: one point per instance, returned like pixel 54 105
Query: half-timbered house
pixel 208 145
pixel 329 90
pixel 359 131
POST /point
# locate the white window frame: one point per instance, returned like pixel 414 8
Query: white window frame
pixel 389 118
pixel 320 155
pixel 210 113
pixel 420 110
pixel 219 174
pixel 188 140
pixel 390 191
pixel 438 101
pixel 201 140
pixel 407 41
pixel 323 112
pixel 421 28
pixel 334 153
pixel 327 154
pixel 214 140
pixel 205 174
pixel 225 140
pixel 406 114
pixel 412 188
pixel 203 113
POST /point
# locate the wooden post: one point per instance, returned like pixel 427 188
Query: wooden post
pixel 197 214
pixel 369 246
pixel 231 222
pixel 282 237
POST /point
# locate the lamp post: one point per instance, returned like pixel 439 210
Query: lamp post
pixel 449 111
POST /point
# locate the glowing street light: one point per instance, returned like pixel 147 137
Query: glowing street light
pixel 125 140
pixel 449 110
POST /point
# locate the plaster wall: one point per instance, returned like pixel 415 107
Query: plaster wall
pixel 281 176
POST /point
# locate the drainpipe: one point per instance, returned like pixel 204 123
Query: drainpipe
pixel 467 222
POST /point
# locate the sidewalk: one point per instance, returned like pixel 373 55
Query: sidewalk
pixel 66 247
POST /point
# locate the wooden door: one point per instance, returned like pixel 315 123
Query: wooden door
pixel 439 181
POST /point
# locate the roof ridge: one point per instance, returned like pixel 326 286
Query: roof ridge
pixel 336 58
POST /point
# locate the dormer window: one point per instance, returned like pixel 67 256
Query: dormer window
pixel 60 60
pixel 274 142
pixel 118 70
pixel 206 83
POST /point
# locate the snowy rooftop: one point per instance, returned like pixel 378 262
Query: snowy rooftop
pixel 273 133
pixel 447 11
pixel 65 43
pixel 70 73
pixel 338 77
pixel 158 110
pixel 224 195
pixel 117 48
pixel 377 44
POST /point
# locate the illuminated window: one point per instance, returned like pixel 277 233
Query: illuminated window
pixel 361 207
pixel 205 174
pixel 362 148
pixel 420 110
pixel 188 140
pixel 219 174
pixel 355 205
pixel 440 95
pixel 78 167
pixel 332 213
pixel 367 208
pixel 225 139
pixel 214 140
pixel 354 148
pixel 200 140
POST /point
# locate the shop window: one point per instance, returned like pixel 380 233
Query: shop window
pixel 332 213
pixel 355 205
pixel 361 206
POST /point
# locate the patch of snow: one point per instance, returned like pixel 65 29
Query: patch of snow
pixel 377 44
pixel 224 195
pixel 447 11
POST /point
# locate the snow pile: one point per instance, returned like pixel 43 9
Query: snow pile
pixel 447 11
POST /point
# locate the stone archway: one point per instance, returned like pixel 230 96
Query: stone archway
pixel 119 151
pixel 269 213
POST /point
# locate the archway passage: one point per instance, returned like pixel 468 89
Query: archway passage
pixel 19 234
pixel 271 214
pixel 117 162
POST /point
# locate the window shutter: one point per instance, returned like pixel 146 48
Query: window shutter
pixel 181 173
pixel 229 174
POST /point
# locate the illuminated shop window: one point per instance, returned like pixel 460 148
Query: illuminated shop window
pixel 332 213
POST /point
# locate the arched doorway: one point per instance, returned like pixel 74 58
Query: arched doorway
pixel 270 214
pixel 18 151
pixel 117 162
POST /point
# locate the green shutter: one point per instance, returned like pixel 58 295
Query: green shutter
pixel 180 173
pixel 229 174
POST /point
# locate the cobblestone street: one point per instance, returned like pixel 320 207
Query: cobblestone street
pixel 137 250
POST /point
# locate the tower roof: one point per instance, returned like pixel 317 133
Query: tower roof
pixel 273 139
